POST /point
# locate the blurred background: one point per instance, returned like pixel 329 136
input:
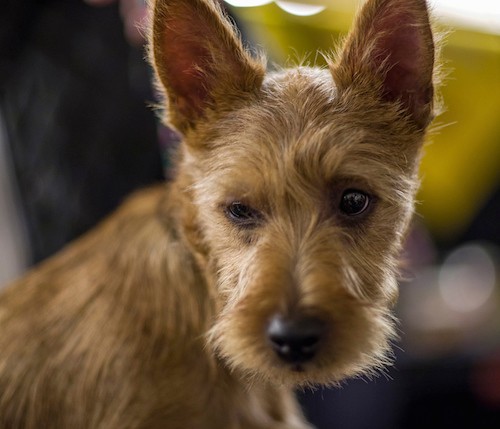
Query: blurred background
pixel 77 135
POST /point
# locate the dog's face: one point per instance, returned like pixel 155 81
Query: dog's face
pixel 301 183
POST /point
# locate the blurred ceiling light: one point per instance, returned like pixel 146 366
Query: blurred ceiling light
pixel 299 8
pixel 467 278
pixel 480 14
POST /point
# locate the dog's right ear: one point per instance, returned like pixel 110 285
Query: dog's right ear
pixel 199 60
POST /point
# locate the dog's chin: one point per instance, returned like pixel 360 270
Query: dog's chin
pixel 301 375
pixel 269 369
pixel 292 376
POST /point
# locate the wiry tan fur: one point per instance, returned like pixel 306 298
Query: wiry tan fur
pixel 157 318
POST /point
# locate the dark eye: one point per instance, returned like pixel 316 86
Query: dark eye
pixel 242 214
pixel 354 202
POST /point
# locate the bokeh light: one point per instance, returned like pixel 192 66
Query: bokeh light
pixel 467 278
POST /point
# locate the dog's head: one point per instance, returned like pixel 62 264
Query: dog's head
pixel 299 183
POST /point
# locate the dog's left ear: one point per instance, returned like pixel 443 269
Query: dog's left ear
pixel 391 50
pixel 199 59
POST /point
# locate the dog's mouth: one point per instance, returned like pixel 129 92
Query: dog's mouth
pixel 297 368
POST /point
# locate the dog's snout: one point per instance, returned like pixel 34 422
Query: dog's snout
pixel 295 340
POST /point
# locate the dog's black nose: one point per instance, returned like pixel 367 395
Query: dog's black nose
pixel 295 340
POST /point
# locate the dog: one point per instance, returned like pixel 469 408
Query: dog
pixel 268 263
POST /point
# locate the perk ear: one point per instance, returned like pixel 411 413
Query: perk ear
pixel 199 59
pixel 391 50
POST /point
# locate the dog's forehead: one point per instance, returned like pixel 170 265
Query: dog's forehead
pixel 300 89
pixel 296 113
pixel 289 103
pixel 297 77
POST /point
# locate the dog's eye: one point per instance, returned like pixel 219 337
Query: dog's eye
pixel 242 214
pixel 354 202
